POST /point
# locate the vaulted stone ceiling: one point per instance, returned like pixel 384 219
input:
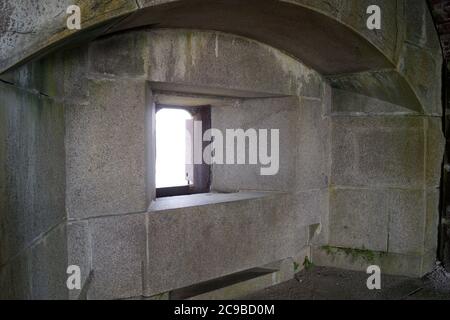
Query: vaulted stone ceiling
pixel 330 36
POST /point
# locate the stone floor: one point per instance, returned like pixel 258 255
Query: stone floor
pixel 334 284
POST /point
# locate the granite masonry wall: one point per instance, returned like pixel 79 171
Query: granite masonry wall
pixel 360 160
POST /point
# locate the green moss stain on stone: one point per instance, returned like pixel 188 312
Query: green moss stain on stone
pixel 355 254
pixel 307 264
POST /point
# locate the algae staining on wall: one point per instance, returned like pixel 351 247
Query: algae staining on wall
pixel 308 264
pixel 296 266
pixel 355 254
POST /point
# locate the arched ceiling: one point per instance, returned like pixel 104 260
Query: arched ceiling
pixel 321 42
pixel 329 36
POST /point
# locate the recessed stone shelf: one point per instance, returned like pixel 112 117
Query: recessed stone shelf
pixel 204 199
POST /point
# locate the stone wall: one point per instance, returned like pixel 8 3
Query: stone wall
pixel 33 250
pixel 386 162
pixel 384 192
pixel 110 157
pixel 360 162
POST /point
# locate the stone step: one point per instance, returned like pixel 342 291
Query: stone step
pixel 239 284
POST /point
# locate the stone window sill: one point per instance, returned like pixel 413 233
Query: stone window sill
pixel 196 200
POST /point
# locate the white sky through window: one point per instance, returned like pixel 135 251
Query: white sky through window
pixel 171 147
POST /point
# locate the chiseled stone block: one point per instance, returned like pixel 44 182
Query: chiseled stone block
pixel 278 113
pixel 192 245
pixel 312 144
pixel 118 255
pixel 350 103
pixel 31 168
pixel 122 55
pixel 386 220
pixel 378 151
pixel 212 59
pixel 79 251
pixel 75 61
pixel 49 265
pixel 435 151
pixel 423 71
pixel 406 209
pixel 306 208
pixel 432 220
pixel 359 219
pixel 106 150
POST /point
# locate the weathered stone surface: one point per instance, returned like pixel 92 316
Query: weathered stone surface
pixel 79 251
pixel 106 150
pixel 423 71
pixel 387 85
pixel 118 255
pixel 350 46
pixel 44 76
pixel 221 60
pixel 41 24
pixel 353 14
pixel 435 151
pixel 384 151
pixel 351 103
pixel 120 55
pixel 197 244
pixel 75 63
pixel 310 207
pixel 49 265
pixel 429 260
pixel 432 220
pixel 389 220
pixel 109 172
pixel 284 272
pixel 60 75
pixel 281 114
pixel 33 182
pixel 15 280
pixel 420 28
pixel 32 178
pixel 406 211
pixel 203 199
pixel 232 19
pixel 359 219
pixel 5 283
pixel 390 263
pixel 47 76
pixel 312 144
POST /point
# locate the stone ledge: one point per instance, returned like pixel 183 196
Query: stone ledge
pixel 204 199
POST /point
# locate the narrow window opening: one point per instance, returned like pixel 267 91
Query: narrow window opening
pixel 176 173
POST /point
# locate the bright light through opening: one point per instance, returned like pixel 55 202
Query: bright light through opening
pixel 171 148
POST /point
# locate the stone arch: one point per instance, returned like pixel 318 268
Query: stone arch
pixel 329 36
